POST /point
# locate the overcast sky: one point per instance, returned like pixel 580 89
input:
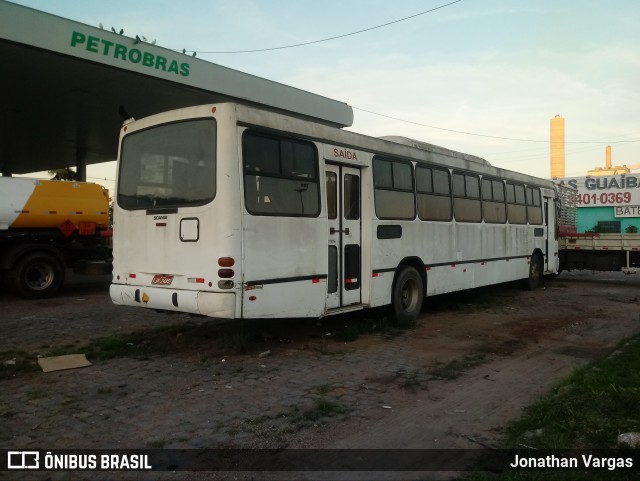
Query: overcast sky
pixel 483 68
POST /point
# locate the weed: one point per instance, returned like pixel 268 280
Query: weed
pixel 324 389
pixel 68 401
pixel 348 333
pixel 372 321
pixel 35 394
pixel 238 338
pixel 412 382
pixel 324 408
pixel 156 443
pixel 16 362
pixel 325 350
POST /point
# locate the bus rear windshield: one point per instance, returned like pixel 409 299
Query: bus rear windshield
pixel 172 165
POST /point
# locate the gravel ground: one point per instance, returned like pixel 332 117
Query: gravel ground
pixel 297 386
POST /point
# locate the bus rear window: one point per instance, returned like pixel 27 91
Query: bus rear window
pixel 171 165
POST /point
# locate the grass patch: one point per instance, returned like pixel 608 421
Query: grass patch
pixel 481 299
pixel 275 430
pixel 370 321
pixel 587 410
pixel 139 344
pixel 207 340
pixel 457 367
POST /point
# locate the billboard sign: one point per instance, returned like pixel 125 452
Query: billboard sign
pixel 606 191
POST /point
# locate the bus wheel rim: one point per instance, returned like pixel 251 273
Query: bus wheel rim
pixel 408 296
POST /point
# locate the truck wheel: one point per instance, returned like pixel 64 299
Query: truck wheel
pixel 36 275
pixel 407 296
pixel 535 272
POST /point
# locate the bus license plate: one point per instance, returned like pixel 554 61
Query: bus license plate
pixel 162 280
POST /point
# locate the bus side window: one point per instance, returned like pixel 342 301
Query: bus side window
pixel 393 189
pixel 493 206
pixel 467 206
pixel 433 192
pixel 516 204
pixel 534 206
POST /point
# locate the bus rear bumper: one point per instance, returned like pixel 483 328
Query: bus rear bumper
pixel 212 304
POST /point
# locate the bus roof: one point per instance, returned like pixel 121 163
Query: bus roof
pixel 401 147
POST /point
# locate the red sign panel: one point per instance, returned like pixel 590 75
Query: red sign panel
pixel 67 228
pixel 87 228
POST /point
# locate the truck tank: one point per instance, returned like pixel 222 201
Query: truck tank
pixel 49 226
pixel 48 204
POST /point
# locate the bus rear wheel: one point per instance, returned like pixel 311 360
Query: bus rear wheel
pixel 407 295
pixel 535 272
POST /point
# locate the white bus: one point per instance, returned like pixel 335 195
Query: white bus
pixel 231 211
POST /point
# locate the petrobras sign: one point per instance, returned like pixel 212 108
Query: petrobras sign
pixel 606 191
pixel 135 55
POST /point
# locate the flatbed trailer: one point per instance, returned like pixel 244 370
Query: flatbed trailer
pixel 600 252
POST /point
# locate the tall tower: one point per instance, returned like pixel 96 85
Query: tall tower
pixel 557 147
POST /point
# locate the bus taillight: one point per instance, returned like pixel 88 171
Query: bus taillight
pixel 226 261
pixel 225 273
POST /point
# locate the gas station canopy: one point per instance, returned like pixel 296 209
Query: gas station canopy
pixel 67 87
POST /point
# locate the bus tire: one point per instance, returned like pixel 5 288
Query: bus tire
pixel 535 272
pixel 407 295
pixel 36 275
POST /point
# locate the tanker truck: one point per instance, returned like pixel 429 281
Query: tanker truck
pixel 47 227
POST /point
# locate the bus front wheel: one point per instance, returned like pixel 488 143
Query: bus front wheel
pixel 407 296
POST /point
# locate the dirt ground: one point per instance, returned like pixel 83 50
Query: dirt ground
pixel 472 363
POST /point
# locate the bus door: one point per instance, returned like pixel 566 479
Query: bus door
pixel 343 212
pixel 550 240
pixel 546 242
